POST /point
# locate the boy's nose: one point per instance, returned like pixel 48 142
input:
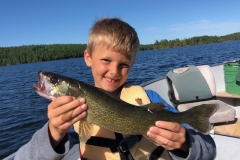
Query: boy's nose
pixel 114 70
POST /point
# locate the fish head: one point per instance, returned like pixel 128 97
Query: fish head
pixel 51 85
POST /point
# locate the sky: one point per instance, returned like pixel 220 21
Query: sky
pixel 35 22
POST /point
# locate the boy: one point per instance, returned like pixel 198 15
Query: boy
pixel 110 53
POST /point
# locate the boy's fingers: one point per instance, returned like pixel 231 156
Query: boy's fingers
pixel 57 102
pixel 70 105
pixel 79 110
pixel 168 134
pixel 175 127
pixel 67 116
pixel 164 141
pixel 73 113
pixel 160 140
pixel 79 117
pixel 68 124
pixel 66 108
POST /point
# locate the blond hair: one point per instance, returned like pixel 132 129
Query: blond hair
pixel 114 34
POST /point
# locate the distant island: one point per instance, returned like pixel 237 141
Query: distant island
pixel 39 53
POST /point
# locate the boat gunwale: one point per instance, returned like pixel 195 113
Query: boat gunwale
pixel 144 84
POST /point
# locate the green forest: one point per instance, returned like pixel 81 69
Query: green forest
pixel 190 41
pixel 39 53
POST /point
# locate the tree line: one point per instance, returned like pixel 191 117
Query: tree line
pixel 39 53
pixel 190 41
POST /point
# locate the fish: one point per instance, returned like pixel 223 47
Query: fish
pixel 112 113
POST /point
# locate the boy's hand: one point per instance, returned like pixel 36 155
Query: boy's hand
pixel 58 127
pixel 169 135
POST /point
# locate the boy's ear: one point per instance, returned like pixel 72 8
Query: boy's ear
pixel 87 58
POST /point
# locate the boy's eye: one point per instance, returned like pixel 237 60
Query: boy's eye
pixel 125 65
pixel 105 60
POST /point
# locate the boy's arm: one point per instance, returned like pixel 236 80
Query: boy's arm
pixel 59 126
pixel 39 147
pixel 200 146
pixel 51 142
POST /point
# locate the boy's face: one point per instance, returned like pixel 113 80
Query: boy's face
pixel 109 69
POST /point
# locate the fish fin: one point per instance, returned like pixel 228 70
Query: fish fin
pixel 201 114
pixel 151 107
pixel 85 131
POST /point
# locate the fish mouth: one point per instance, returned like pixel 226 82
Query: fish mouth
pixel 41 87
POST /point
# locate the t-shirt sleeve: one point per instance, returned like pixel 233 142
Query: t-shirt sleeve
pixel 154 97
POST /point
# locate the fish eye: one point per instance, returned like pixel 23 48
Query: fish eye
pixel 54 80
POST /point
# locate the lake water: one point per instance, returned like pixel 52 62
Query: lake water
pixel 22 111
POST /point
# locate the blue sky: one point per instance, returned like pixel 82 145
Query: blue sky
pixel 26 22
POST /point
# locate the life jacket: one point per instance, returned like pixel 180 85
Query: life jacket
pixel 109 145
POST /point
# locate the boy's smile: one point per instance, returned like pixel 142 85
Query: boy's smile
pixel 109 69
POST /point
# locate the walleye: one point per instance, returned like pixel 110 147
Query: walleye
pixel 114 114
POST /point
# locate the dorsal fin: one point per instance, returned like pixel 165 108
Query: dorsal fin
pixel 155 106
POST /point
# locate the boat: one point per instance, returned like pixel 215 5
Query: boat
pixel 226 134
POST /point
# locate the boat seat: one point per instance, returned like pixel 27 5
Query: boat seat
pixel 225 112
pixel 191 86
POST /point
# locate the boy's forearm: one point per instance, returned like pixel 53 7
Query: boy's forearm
pixel 185 146
pixel 55 136
pixel 39 147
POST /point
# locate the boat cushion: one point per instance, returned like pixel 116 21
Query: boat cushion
pixel 225 112
pixel 191 84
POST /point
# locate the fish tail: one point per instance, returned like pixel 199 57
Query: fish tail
pixel 198 117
